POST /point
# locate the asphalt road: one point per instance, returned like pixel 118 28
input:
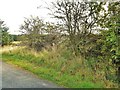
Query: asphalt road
pixel 0 75
pixel 14 77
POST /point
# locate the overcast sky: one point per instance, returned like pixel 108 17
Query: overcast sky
pixel 14 11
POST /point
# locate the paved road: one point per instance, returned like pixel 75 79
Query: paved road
pixel 0 75
pixel 13 77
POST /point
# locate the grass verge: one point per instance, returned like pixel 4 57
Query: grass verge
pixel 51 68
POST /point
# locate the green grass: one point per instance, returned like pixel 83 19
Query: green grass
pixel 64 80
pixel 56 68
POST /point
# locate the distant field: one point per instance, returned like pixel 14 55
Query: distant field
pixel 14 45
pixel 16 42
pixel 8 48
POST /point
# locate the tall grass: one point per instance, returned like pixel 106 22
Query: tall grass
pixel 58 65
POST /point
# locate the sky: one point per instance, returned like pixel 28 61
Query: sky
pixel 13 12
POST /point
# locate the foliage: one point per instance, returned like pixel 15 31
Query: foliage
pixel 33 28
pixel 80 19
pixel 81 26
pixel 15 37
pixel 38 35
pixel 5 38
pixel 108 45
pixel 112 36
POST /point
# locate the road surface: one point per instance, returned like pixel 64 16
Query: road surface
pixel 0 75
pixel 14 77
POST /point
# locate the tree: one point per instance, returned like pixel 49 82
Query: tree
pixel 5 36
pixel 112 36
pixel 54 33
pixel 39 34
pixel 33 28
pixel 80 19
pixel 108 45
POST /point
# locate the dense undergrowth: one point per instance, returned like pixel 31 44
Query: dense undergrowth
pixel 60 66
